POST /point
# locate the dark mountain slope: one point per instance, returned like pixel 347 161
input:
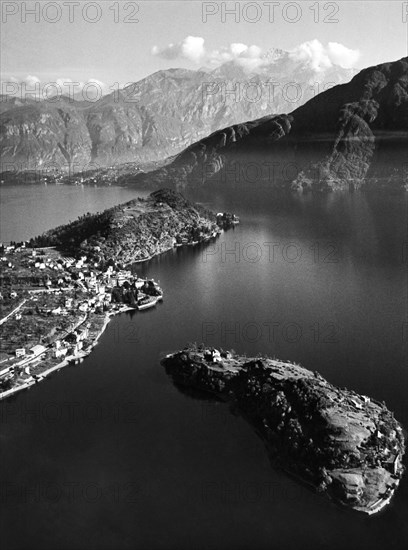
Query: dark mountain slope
pixel 351 136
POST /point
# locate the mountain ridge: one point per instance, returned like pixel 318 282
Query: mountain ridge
pixel 153 118
pixel 351 136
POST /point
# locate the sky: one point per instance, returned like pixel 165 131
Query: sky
pixel 114 43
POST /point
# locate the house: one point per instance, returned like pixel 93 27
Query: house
pixel 68 302
pixel 84 306
pixel 7 373
pixel 394 463
pixel 84 333
pixel 356 403
pixel 56 311
pixel 60 352
pixel 37 350
pixel 77 348
pixel 20 352
pixel 213 355
pixel 90 280
pixel 13 294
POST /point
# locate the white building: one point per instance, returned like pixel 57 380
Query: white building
pixel 61 352
pixel 37 350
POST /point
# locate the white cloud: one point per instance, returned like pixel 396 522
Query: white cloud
pixel 237 48
pixel 343 56
pixel 191 48
pixel 313 53
pixel 319 57
pixel 31 80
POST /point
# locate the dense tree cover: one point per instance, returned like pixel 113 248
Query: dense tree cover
pixel 136 227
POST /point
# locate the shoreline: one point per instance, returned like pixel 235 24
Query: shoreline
pixel 73 358
pixel 172 247
pixel 68 361
pixel 264 390
pixel 151 256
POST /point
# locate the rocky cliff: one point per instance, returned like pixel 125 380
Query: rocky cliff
pixel 343 444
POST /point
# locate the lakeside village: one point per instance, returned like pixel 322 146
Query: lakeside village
pixel 54 308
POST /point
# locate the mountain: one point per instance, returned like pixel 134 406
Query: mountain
pixel 351 136
pixel 156 117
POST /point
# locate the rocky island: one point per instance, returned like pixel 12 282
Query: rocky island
pixel 59 290
pixel 341 443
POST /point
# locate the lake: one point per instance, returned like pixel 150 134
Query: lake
pixel 109 454
pixel 28 210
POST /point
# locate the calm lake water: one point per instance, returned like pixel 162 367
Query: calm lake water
pixel 110 455
pixel 28 210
